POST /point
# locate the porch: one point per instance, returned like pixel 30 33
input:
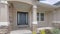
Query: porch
pixel 39 15
pixel 43 15
pixel 21 32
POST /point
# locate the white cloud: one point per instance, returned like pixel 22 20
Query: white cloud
pixel 50 1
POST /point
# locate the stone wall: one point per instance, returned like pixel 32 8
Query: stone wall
pixel 4 30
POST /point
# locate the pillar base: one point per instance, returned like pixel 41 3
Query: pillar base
pixel 3 29
pixel 35 22
pixel 34 27
pixel 4 23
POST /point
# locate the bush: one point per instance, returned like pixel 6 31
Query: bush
pixel 55 31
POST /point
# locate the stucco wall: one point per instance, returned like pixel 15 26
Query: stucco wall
pixel 56 15
pixel 56 18
pixel 47 19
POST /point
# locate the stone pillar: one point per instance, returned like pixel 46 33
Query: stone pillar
pixel 4 17
pixel 34 22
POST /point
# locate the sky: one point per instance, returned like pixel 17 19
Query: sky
pixel 51 2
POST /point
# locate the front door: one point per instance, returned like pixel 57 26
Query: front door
pixel 22 18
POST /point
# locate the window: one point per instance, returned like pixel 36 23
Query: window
pixel 40 16
pixel 37 16
pixel 40 0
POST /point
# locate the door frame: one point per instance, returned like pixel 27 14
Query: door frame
pixel 22 25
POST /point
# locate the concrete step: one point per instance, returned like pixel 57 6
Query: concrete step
pixel 21 32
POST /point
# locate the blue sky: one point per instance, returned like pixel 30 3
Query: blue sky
pixel 51 2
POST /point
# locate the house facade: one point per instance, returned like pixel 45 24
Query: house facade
pixel 27 14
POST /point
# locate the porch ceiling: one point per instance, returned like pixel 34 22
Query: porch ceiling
pixel 21 6
pixel 24 1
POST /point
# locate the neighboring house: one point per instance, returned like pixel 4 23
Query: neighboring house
pixel 25 13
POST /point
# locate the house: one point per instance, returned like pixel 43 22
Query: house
pixel 27 14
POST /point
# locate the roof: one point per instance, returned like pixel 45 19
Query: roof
pixel 58 3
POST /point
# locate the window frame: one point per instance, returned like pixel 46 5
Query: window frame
pixel 40 16
pixel 26 18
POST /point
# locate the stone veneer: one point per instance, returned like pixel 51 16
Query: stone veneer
pixel 4 30
pixel 4 18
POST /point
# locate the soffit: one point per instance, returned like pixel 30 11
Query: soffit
pixel 24 1
pixel 21 6
pixel 26 7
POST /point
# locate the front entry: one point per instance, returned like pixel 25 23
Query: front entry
pixel 22 18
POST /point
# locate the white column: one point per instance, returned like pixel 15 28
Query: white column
pixel 4 14
pixel 34 14
pixel 34 22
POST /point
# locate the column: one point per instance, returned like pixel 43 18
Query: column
pixel 34 14
pixel 4 17
pixel 4 14
pixel 34 22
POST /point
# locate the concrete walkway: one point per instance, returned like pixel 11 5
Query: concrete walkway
pixel 21 32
